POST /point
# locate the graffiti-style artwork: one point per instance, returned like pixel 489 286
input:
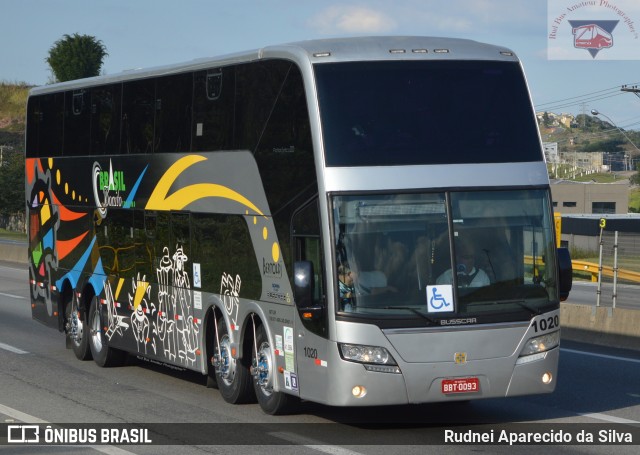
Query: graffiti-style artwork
pixel 230 293
pixel 186 329
pixel 175 324
pixel 141 305
pixel 115 322
pixel 164 327
pixel 48 199
pixel 83 242
pixel 44 223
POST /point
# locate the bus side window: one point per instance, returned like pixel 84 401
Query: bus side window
pixel 77 120
pixel 173 114
pixel 105 119
pixel 34 119
pixel 213 107
pixel 51 124
pixel 138 109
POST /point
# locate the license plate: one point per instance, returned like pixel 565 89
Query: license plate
pixel 461 385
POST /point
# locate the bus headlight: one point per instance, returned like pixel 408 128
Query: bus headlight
pixel 374 358
pixel 540 344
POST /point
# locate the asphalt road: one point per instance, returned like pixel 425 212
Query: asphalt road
pixel 42 382
pixel 586 293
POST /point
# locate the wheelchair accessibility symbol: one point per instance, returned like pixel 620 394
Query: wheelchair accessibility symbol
pixel 439 298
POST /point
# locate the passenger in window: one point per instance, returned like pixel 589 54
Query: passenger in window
pixel 466 271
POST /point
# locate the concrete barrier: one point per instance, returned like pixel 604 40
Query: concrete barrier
pixel 615 327
pixel 13 252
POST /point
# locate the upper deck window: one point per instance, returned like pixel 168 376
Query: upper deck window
pixel 425 112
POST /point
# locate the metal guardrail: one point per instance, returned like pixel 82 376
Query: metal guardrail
pixel 592 268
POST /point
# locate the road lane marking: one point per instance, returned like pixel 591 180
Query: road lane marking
pixel 26 418
pixel 605 356
pixel 19 415
pixel 313 444
pixel 598 415
pixel 8 347
pixel 12 296
pixel 607 418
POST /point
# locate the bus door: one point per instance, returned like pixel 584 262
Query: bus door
pixel 312 331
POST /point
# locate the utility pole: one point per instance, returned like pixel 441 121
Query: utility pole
pixel 635 90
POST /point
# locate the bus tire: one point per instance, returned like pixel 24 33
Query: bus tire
pixel 233 376
pixel 77 330
pixel 271 402
pixel 103 355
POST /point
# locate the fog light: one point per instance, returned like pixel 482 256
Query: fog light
pixel 358 391
pixel 547 378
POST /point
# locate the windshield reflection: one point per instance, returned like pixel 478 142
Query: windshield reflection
pixel 444 255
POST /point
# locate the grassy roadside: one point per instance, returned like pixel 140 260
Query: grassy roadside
pixel 10 235
pixel 634 199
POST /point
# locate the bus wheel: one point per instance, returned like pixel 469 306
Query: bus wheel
pixel 271 402
pixel 232 375
pixel 77 333
pixel 102 354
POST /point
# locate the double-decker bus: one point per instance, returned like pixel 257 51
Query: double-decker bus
pixel 355 222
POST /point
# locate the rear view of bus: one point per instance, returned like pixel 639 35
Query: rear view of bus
pixel 446 281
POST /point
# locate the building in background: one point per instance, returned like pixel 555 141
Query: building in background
pixel 571 197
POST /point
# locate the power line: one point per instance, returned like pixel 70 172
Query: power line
pixel 579 102
pixel 589 97
pixel 613 89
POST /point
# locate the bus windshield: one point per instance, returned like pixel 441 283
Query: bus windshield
pixel 486 255
pixel 425 112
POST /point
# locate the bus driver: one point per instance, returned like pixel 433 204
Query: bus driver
pixel 466 271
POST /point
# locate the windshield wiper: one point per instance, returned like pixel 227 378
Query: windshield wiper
pixel 521 303
pixel 414 310
pixel 534 311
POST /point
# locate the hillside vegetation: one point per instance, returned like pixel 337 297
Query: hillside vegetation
pixel 13 101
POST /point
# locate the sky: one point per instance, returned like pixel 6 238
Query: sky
pixel 148 33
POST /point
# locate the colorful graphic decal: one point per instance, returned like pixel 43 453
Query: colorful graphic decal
pixel 140 306
pixel 165 196
pixel 109 188
pixel 170 327
pixel 45 187
pixel 178 200
pixel 179 328
pixel 155 314
pixel 230 293
pixel 115 322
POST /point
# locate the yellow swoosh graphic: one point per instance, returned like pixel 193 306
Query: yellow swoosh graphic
pixel 159 200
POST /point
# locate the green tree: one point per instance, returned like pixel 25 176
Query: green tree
pixel 12 199
pixel 76 57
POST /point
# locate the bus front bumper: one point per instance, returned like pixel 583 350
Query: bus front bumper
pixel 353 385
